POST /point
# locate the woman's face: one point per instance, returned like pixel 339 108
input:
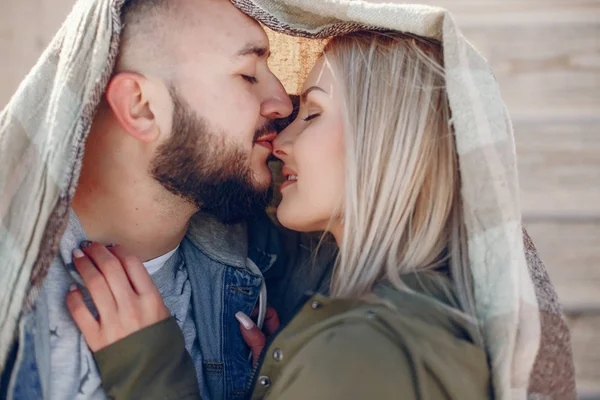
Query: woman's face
pixel 312 150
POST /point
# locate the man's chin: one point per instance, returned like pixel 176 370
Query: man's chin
pixel 264 191
pixel 245 213
pixel 262 178
pixel 238 204
pixel 259 165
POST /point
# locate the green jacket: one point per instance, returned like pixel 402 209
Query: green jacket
pixel 410 348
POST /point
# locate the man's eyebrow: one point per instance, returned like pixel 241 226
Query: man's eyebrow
pixel 307 91
pixel 254 49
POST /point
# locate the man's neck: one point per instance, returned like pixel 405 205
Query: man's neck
pixel 143 223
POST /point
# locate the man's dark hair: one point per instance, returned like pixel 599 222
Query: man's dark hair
pixel 134 11
pixel 145 24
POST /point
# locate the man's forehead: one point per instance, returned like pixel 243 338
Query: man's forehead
pixel 231 31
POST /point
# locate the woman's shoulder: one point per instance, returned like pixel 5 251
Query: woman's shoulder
pixel 357 349
pixel 416 327
pixel 420 317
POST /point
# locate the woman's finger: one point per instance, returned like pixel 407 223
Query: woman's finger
pixel 83 318
pixel 113 271
pixel 95 284
pixel 271 321
pixel 138 275
pixel 253 336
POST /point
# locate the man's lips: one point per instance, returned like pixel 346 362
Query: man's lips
pixel 267 140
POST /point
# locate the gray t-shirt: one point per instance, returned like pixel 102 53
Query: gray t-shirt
pixel 73 373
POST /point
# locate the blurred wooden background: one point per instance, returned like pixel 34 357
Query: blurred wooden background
pixel 546 56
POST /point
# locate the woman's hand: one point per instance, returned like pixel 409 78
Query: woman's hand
pixel 254 337
pixel 123 293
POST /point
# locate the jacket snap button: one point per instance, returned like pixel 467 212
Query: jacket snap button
pixel 278 355
pixel 316 305
pixel 264 381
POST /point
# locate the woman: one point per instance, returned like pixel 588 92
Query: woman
pixel 370 158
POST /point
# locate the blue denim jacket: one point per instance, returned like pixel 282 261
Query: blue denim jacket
pixel 225 266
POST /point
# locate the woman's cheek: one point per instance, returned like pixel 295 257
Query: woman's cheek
pixel 318 156
pixel 326 179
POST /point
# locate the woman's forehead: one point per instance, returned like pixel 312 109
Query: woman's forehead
pixel 321 75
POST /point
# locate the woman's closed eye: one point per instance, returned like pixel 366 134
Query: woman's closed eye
pixel 312 116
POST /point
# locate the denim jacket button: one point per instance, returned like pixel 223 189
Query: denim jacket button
pixel 278 355
pixel 264 381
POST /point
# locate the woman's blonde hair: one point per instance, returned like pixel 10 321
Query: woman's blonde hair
pixel 402 211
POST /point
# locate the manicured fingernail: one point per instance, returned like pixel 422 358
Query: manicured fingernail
pixel 85 243
pixel 73 287
pixel 245 320
pixel 78 253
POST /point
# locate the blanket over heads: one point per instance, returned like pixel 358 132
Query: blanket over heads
pixel 44 127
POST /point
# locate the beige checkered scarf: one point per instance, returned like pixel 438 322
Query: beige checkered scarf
pixel 44 127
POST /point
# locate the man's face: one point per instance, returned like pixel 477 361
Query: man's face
pixel 225 99
pixel 199 166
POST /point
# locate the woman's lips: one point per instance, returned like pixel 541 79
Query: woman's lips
pixel 286 184
pixel 287 172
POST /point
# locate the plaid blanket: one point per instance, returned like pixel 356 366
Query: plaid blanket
pixel 44 127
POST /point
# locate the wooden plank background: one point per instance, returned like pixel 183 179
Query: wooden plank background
pixel 546 57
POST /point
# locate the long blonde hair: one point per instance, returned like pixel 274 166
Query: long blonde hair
pixel 402 210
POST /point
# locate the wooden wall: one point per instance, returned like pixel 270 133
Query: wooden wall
pixel 546 56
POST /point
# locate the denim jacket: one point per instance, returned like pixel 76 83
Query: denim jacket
pixel 225 266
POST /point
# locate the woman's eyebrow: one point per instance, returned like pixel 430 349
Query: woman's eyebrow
pixel 307 91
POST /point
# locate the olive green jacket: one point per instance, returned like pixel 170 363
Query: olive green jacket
pixel 409 347
pixel 149 364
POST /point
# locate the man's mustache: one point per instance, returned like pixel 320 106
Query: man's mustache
pixel 269 127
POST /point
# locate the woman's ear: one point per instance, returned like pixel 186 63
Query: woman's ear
pixel 130 104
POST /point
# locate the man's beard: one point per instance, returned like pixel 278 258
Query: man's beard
pixel 199 166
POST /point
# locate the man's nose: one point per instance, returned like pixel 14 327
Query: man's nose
pixel 278 104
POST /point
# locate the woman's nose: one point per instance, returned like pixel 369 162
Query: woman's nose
pixel 281 145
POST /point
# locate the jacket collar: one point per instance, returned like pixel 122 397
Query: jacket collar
pixel 227 244
pixel 233 244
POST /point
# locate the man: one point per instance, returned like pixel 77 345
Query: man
pixel 215 271
pixel 185 124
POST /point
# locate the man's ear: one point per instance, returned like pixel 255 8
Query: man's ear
pixel 130 104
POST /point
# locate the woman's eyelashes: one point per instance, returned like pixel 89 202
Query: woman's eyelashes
pixel 312 116
pixel 250 79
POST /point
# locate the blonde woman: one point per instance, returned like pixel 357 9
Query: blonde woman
pixel 371 159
